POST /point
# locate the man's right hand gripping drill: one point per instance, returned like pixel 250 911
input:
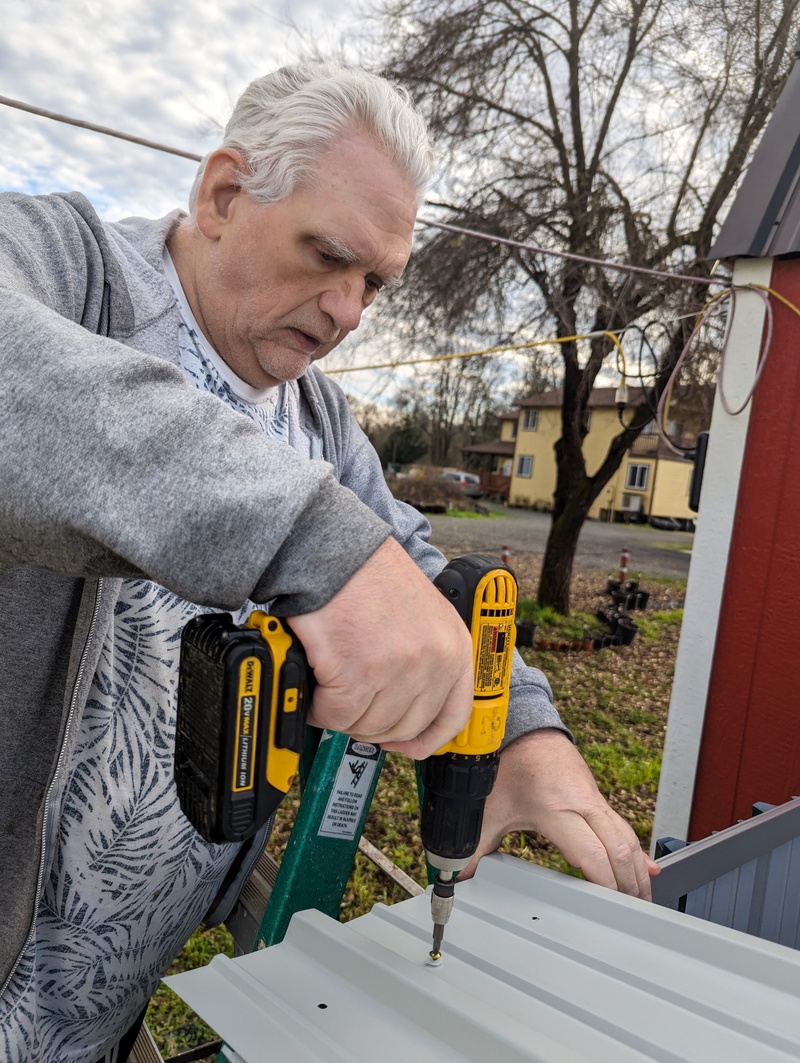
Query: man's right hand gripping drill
pixel 391 657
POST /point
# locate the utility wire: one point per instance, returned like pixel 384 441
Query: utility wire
pixel 483 353
pixel 19 105
pixel 602 263
pixel 622 267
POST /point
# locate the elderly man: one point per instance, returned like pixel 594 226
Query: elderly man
pixel 168 449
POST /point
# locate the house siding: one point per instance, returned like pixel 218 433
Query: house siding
pixel 666 493
pixel 537 489
pixel 671 498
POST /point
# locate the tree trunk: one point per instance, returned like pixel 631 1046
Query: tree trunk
pixel 559 556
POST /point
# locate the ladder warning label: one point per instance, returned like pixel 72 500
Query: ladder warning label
pixel 350 791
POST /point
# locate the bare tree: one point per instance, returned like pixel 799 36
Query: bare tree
pixel 611 129
pixel 452 402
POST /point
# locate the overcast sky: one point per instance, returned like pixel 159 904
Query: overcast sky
pixel 162 71
pixel 165 72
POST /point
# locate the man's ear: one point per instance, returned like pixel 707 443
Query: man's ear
pixel 218 189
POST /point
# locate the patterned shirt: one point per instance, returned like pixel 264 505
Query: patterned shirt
pixel 130 879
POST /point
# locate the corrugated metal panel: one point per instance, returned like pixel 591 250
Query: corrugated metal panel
pixel 762 897
pixel 538 967
pixel 746 876
pixel 764 219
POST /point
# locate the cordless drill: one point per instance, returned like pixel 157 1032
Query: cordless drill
pixel 459 777
pixel 243 694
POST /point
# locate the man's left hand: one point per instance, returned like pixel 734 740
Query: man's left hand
pixel 544 785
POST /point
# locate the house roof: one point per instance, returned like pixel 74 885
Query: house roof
pixel 764 219
pixel 686 397
pixel 499 447
pixel 598 397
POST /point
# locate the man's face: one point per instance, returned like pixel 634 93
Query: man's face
pixel 284 283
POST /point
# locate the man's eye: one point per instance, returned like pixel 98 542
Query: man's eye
pixel 373 284
pixel 326 256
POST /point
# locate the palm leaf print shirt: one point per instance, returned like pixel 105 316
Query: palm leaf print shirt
pixel 130 879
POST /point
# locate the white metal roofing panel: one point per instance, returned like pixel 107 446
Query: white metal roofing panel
pixel 538 966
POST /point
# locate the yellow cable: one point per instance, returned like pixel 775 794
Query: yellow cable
pixel 776 295
pixel 621 367
pixel 480 353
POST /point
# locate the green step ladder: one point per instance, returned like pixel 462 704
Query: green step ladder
pixel 338 778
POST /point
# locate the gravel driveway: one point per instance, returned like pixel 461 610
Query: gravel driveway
pixel 651 552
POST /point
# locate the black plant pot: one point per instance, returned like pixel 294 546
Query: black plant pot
pixel 626 631
pixel 526 633
pixel 626 600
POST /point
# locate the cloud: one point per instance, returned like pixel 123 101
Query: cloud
pixel 166 72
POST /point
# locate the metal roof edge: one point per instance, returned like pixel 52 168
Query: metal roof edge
pixel 539 967
pixel 764 218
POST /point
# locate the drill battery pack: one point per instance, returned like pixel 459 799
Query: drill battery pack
pixel 242 702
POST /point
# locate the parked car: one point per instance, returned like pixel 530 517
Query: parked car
pixel 469 483
pixel 666 523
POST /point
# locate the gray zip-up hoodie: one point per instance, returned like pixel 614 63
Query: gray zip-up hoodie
pixel 113 466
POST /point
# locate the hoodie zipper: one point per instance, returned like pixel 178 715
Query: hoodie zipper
pixel 59 765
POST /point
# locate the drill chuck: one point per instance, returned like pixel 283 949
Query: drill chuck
pixel 455 790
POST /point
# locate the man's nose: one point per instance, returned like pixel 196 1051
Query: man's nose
pixel 343 302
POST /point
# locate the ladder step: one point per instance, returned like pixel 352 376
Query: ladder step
pixel 245 919
pixel 145 1050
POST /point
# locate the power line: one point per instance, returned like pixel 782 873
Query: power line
pixel 585 259
pixel 623 267
pixel 56 117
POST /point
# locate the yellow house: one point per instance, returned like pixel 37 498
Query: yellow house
pixel 651 481
pixel 496 458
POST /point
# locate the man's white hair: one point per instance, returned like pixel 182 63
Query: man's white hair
pixel 284 122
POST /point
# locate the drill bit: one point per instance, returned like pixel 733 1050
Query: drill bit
pixel 441 907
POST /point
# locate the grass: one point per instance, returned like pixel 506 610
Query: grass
pixel 614 700
pixel 470 514
pixel 172 1023
pixel 552 625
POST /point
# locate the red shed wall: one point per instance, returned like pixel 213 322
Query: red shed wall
pixel 750 749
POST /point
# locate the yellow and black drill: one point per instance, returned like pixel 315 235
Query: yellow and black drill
pixel 243 695
pixel 459 777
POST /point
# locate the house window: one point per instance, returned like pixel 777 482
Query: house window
pixel 524 465
pixel 637 477
pixel 632 503
pixel 530 420
pixel 513 427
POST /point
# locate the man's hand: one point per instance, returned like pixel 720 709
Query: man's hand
pixel 391 656
pixel 544 784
